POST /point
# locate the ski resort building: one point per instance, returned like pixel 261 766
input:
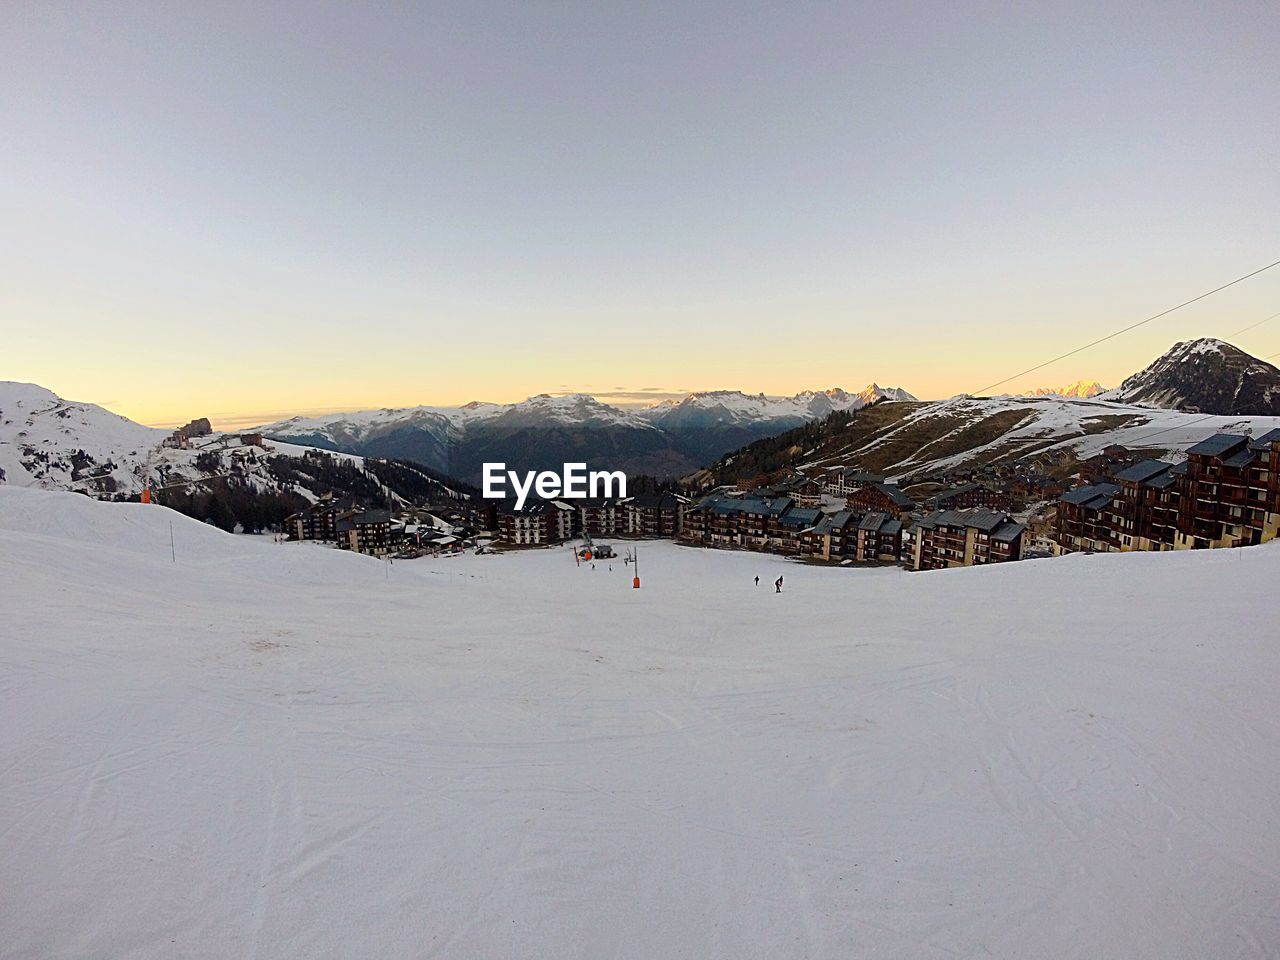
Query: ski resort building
pixel 653 515
pixel 365 531
pixel 879 538
pixel 962 538
pixel 833 537
pixel 538 522
pixel 845 481
pixel 1086 520
pixel 970 495
pixel 882 497
pixel 319 521
pixel 1226 494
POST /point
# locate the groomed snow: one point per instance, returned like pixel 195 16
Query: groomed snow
pixel 275 751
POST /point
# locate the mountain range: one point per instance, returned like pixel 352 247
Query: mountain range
pixel 670 438
pixel 1197 387
pixel 55 444
pixel 1080 390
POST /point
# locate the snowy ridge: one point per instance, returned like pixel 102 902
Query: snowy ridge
pixel 50 443
pixel 1204 376
pixel 1080 390
pixel 290 750
pixel 734 405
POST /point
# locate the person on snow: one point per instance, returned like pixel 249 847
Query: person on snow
pixel 777 585
pixel 757 581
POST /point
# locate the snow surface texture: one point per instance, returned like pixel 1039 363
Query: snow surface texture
pixel 271 750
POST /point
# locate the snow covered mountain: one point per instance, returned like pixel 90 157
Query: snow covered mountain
pixel 55 444
pixel 1080 390
pixel 1205 376
pixel 669 438
pixel 922 440
pixel 721 407
pixel 49 442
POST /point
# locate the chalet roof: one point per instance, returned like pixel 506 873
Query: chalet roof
pixel 877 522
pixel 1264 441
pixel 769 506
pixel 1241 458
pixel 1092 496
pixel 982 518
pixel 1143 471
pixel 1008 531
pixel 895 494
pixel 873 521
pixel 373 516
pixel 1218 445
pixel 833 522
pixel 992 522
pixel 800 517
pixel 654 501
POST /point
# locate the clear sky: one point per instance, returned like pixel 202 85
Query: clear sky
pixel 246 210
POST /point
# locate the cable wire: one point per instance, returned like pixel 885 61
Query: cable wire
pixel 1132 326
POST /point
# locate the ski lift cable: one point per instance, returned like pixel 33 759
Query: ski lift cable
pixel 1122 330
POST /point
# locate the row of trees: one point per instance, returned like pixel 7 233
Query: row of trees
pixel 783 450
pixel 230 503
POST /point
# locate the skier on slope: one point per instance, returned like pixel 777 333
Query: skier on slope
pixel 757 581
pixel 777 585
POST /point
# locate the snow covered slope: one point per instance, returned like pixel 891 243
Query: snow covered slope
pixel 977 430
pixel 54 444
pixel 287 751
pixel 922 440
pixel 49 442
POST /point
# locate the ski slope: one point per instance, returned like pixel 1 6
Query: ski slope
pixel 266 750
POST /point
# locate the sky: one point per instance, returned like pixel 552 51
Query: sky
pixel 245 211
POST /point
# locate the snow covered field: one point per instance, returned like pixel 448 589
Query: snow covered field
pixel 284 751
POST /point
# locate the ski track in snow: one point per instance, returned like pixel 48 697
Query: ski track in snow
pixel 285 751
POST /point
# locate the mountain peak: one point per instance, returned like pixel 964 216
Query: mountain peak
pixel 1080 390
pixel 1205 375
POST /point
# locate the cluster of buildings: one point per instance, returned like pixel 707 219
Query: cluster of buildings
pixel 350 525
pixel 1225 494
pixel 877 523
pixel 649 515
